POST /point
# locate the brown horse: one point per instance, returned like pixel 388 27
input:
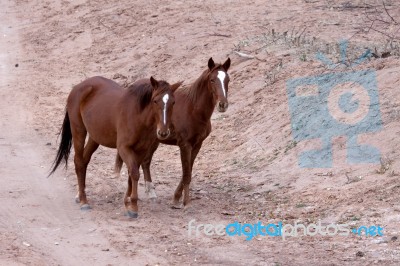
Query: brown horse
pixel 191 120
pixel 130 120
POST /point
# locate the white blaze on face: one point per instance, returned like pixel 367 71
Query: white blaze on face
pixel 221 76
pixel 165 99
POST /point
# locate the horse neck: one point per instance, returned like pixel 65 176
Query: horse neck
pixel 148 118
pixel 204 101
pixel 143 119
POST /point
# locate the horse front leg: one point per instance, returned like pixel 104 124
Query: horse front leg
pixel 186 151
pixel 131 196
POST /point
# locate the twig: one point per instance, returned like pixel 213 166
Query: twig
pixel 348 178
pixel 244 55
pixel 220 35
pixel 387 12
pixel 381 21
pixel 102 23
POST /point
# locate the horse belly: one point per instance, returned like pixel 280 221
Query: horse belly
pixel 100 126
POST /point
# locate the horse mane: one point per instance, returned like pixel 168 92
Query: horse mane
pixel 143 92
pixel 192 91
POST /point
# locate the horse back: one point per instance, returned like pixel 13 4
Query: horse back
pixel 93 105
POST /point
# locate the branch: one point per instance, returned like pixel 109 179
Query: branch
pixel 220 35
pixel 387 12
pixel 244 55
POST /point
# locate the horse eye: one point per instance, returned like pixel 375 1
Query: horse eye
pixel 155 101
pixel 212 81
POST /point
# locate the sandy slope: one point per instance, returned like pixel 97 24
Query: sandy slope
pixel 248 169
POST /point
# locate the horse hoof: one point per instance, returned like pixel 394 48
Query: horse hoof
pixel 177 206
pixel 85 207
pixel 132 214
pixel 77 200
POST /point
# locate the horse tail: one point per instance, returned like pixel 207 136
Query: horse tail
pixel 65 145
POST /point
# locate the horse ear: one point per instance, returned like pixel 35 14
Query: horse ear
pixel 211 63
pixel 175 86
pixel 154 82
pixel 227 64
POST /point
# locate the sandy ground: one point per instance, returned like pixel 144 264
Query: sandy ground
pixel 248 168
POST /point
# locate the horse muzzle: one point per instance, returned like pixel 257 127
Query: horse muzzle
pixel 222 106
pixel 161 134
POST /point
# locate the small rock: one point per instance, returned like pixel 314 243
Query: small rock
pixel 56 243
pixel 105 249
pixel 48 144
pixel 119 76
pixel 16 65
pixel 360 254
pixel 380 241
pixel 394 238
pixel 227 213
pixel 26 244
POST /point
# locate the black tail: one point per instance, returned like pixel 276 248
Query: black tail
pixel 65 145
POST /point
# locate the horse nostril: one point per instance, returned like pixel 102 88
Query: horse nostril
pixel 163 134
pixel 223 105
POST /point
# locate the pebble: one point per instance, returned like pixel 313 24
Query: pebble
pixel 360 254
pixel 379 241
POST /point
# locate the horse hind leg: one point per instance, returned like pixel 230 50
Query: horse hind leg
pixel 149 186
pixel 186 185
pixel 118 166
pixel 81 167
pixel 186 155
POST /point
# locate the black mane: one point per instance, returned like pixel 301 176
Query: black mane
pixel 143 92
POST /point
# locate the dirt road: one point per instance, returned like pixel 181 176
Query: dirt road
pixel 40 224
